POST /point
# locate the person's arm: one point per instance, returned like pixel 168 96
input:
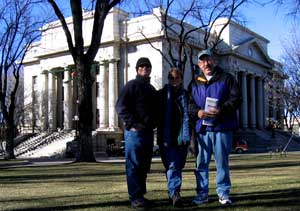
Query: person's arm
pixel 192 107
pixel 123 108
pixel 234 100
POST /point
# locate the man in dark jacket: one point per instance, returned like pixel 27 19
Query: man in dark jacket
pixel 215 99
pixel 136 107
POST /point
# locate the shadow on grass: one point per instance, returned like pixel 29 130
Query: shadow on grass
pixel 71 173
pixel 58 197
pixel 66 172
pixel 274 164
pixel 269 200
pixel 81 206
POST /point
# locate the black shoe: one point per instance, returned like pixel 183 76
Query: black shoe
pixel 177 200
pixel 138 203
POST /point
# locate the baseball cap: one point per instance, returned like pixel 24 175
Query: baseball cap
pixel 206 52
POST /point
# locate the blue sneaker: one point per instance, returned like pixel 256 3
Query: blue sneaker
pixel 200 199
pixel 224 200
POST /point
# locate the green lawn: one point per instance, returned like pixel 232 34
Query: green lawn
pixel 260 183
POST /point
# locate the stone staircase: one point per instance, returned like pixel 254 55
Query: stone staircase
pixel 263 140
pixel 44 145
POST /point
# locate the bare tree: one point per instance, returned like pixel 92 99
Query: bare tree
pixel 19 29
pixel 181 19
pixel 83 61
pixel 292 7
pixel 291 63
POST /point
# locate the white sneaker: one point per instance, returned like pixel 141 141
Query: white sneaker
pixel 224 200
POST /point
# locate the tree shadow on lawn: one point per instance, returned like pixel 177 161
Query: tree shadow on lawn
pixel 253 166
pixel 38 174
pixel 264 199
pixel 275 200
pixel 117 204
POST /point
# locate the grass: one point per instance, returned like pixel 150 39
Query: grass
pixel 259 183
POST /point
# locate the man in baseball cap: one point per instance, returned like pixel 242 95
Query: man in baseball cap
pixel 216 97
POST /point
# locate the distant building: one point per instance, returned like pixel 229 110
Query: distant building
pixel 50 98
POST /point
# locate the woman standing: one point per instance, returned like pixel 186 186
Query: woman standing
pixel 173 133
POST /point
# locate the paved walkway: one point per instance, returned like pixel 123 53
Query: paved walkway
pixel 101 159
pixel 52 162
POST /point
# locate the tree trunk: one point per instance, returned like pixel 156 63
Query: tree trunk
pixel 85 128
pixel 9 148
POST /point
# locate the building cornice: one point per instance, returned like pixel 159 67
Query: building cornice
pixel 243 57
pixel 221 21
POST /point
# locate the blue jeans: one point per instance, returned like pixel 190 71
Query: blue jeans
pixel 174 159
pixel 138 155
pixel 218 143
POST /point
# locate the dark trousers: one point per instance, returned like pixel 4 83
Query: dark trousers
pixel 138 155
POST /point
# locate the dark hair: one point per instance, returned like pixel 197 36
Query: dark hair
pixel 176 71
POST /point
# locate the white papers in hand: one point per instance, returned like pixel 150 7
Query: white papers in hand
pixel 209 104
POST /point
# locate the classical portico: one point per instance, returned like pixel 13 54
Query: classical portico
pixel 51 86
pixel 60 97
pixel 252 112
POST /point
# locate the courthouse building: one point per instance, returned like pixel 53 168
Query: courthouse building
pixel 50 86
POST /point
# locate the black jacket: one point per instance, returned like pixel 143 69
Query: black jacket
pixel 176 120
pixel 136 105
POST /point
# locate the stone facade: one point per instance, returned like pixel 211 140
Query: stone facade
pixel 50 91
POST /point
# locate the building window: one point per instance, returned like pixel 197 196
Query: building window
pixel 250 52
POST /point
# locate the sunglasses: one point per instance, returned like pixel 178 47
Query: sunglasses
pixel 178 77
pixel 145 65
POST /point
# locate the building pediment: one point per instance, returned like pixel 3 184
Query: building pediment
pixel 252 50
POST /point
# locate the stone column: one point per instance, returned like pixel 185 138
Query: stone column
pixel 38 104
pixel 252 102
pixel 260 104
pixel 52 101
pixel 263 103
pixel 244 106
pixel 103 97
pixel 45 102
pixel 59 97
pixel 68 96
pixel 112 91
pixel 267 107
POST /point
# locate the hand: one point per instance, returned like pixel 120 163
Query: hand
pixel 213 112
pixel 201 114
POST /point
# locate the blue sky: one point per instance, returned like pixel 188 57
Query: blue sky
pixel 272 23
